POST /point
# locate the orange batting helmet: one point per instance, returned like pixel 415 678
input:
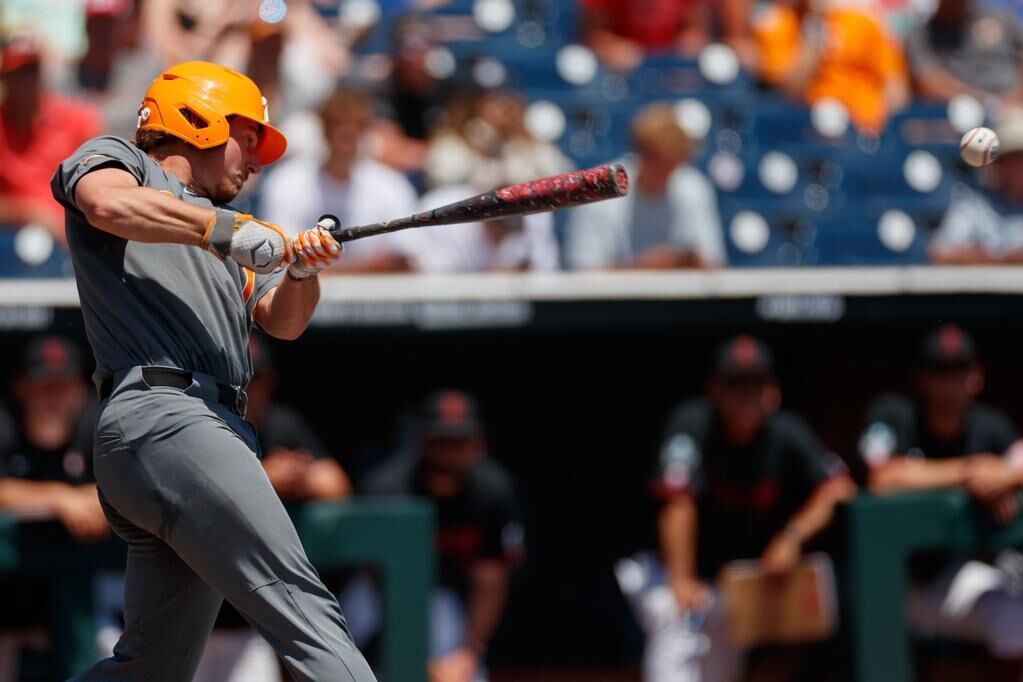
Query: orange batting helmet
pixel 193 100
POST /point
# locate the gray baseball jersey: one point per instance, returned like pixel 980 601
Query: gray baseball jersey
pixel 166 305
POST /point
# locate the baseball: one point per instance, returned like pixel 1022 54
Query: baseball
pixel 979 147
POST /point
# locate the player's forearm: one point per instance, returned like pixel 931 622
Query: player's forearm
pixel 676 527
pixel 17 492
pixel 487 597
pixel 903 473
pixel 284 313
pixel 143 214
pixel 818 511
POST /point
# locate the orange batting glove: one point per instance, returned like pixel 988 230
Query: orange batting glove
pixel 315 250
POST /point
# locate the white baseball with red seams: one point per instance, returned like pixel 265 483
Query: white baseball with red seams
pixel 979 147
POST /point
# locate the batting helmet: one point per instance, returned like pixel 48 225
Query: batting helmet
pixel 193 100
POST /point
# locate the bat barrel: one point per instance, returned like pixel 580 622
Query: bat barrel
pixel 546 194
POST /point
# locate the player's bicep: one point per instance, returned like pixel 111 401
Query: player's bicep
pixel 93 190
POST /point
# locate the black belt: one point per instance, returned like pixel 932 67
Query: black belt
pixel 235 398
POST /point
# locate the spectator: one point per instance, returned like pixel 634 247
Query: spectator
pixel 479 535
pixel 813 50
pixel 943 438
pixel 986 226
pixel 670 218
pixel 623 32
pixel 414 98
pixel 356 189
pixel 737 478
pixel 524 243
pixel 484 140
pixel 967 48
pixel 114 67
pixel 38 129
pixel 45 472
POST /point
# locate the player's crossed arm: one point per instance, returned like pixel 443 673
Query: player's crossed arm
pixel 112 200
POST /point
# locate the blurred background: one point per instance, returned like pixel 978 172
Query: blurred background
pixel 804 263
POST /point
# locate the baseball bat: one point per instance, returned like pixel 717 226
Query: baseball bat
pixel 546 194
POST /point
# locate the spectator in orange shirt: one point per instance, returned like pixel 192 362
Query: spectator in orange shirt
pixel 622 32
pixel 812 50
pixel 38 130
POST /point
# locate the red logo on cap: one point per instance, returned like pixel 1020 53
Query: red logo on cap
pixel 453 408
pixel 744 351
pixel 950 339
pixel 53 353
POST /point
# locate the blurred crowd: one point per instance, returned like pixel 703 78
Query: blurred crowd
pixel 382 120
pixel 742 486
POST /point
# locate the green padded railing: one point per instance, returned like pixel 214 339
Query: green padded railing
pixel 396 537
pixel 880 535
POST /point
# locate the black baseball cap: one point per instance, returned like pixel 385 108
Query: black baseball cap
pixel 451 414
pixel 51 357
pixel 948 345
pixel 743 356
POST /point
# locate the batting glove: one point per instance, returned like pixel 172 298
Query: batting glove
pixel 254 244
pixel 315 250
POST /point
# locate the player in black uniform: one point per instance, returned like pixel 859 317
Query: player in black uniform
pixel 943 438
pixel 479 535
pixel 45 472
pixel 737 478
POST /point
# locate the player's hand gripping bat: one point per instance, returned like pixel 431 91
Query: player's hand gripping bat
pixel 546 194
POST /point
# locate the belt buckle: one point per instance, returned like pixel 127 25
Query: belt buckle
pixel 241 402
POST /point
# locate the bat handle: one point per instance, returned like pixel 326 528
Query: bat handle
pixel 330 223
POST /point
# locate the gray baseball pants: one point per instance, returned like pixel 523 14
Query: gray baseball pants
pixel 180 481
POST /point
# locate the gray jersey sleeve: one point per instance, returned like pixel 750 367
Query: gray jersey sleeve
pixel 101 152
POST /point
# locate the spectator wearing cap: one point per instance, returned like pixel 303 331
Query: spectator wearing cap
pixel 968 48
pixel 943 438
pixel 347 184
pixel 623 32
pixel 737 478
pixel 670 218
pixel 984 225
pixel 45 473
pixel 816 49
pixel 38 129
pixel 479 535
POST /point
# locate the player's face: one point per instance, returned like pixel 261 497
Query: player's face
pixel 226 168
pixel 447 461
pixel 743 403
pixel 951 387
pixel 53 398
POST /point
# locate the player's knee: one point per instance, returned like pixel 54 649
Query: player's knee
pixel 1005 628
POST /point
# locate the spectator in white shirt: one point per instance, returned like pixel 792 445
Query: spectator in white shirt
pixel 670 218
pixel 509 245
pixel 356 189
pixel 984 227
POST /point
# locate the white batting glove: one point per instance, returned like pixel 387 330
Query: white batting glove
pixel 314 250
pixel 254 244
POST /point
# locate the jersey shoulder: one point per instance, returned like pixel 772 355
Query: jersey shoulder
pixel 490 480
pixel 989 416
pixel 396 476
pixel 694 416
pixel 892 408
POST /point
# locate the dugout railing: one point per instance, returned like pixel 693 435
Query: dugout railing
pixel 394 537
pixel 880 534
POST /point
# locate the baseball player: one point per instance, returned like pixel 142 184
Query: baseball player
pixel 171 280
